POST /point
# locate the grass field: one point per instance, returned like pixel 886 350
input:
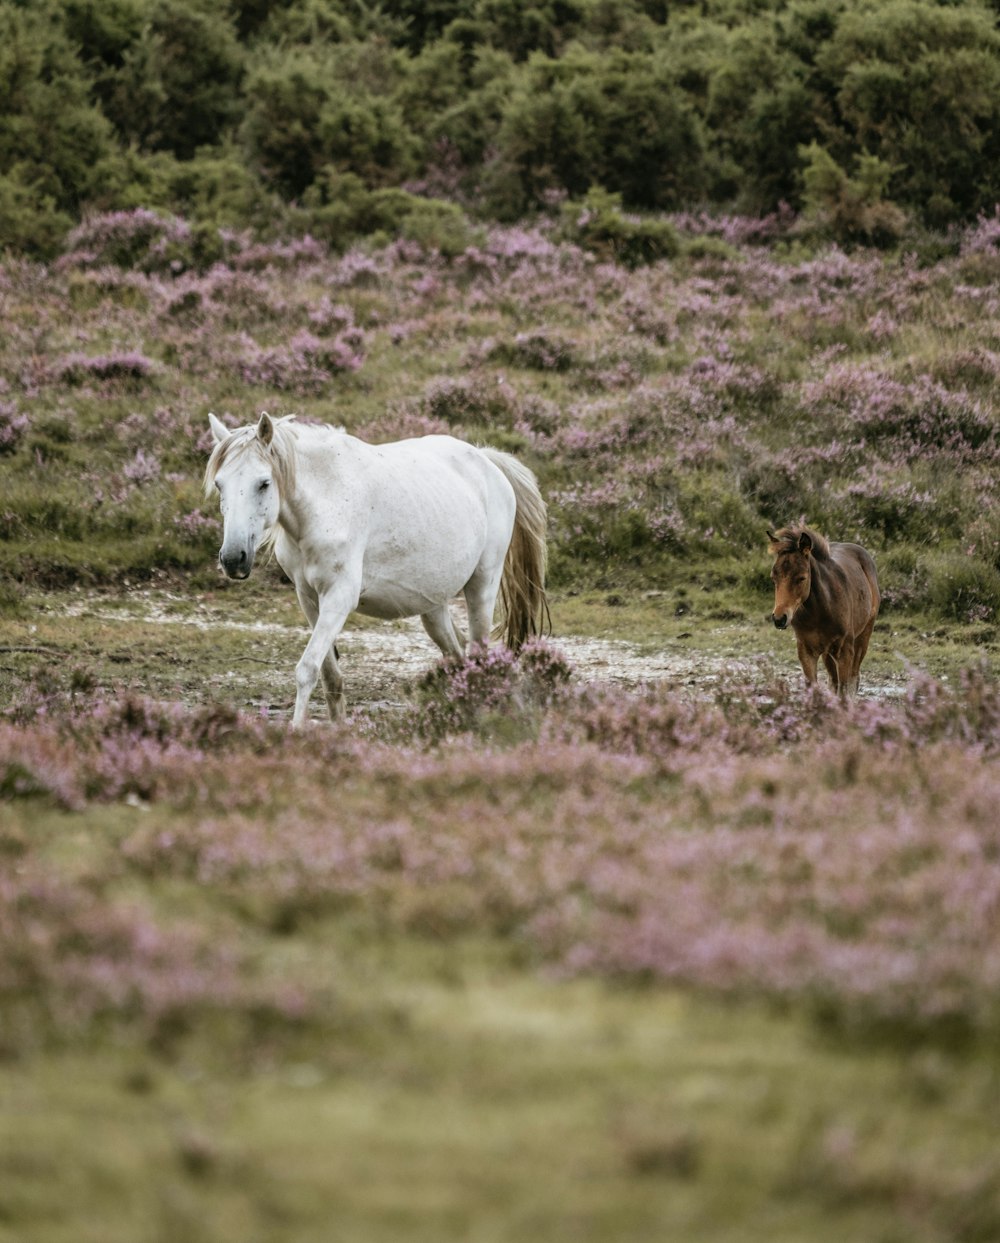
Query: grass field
pixel 629 939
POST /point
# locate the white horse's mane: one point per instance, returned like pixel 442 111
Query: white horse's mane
pixel 279 455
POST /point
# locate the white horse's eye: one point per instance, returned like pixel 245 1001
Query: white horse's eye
pixel 264 485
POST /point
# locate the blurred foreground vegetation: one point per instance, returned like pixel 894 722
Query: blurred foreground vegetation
pixel 529 958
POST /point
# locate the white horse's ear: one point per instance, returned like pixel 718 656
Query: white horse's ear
pixel 265 428
pixel 219 430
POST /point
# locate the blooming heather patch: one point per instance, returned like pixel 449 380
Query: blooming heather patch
pixel 848 893
pixel 127 367
pixel 139 238
pixel 305 365
pixel 984 236
pixel 909 418
pixel 844 856
pixel 492 686
pixel 471 400
pixel 671 411
pixel 867 885
pixel 539 351
pixel 736 230
pixel 220 297
pixel 295 251
pixel 109 749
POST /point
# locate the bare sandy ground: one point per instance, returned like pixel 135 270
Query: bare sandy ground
pixel 381 660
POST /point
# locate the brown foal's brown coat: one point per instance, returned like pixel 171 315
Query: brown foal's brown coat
pixel 829 594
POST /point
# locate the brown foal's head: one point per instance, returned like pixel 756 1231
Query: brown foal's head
pixel 791 575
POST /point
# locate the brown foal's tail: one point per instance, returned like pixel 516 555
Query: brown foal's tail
pixel 522 588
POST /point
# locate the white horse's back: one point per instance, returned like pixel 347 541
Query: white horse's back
pixel 390 530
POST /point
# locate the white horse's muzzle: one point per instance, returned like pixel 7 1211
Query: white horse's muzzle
pixel 237 562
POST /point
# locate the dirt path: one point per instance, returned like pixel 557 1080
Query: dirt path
pixel 381 660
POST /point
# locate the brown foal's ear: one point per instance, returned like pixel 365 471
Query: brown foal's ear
pixel 770 536
pixel 805 543
pixel 265 429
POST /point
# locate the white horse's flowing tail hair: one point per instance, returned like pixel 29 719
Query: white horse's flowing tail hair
pixel 522 588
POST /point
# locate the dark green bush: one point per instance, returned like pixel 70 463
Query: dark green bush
pixel 216 188
pixel 178 87
pixel 522 29
pixel 876 117
pixel 759 110
pixel 586 120
pixel 339 209
pixel 310 107
pixel 918 87
pixel 431 223
pixel 52 137
pixel 29 220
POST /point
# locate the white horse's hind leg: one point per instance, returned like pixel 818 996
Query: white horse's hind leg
pixel 480 599
pixel 483 587
pixel 481 603
pixel 439 625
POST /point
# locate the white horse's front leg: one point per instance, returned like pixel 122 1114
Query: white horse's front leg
pixel 333 681
pixel 333 612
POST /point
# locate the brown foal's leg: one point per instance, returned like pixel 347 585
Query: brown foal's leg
pixel 807 659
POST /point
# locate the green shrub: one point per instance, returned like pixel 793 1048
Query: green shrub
pixel 313 107
pixel 522 29
pixel 30 221
pixel 216 188
pixel 52 137
pixel 758 110
pixel 104 32
pixel 850 209
pixel 178 87
pixel 903 578
pixel 917 85
pixel 716 514
pixel 588 120
pixel 706 247
pixel 431 223
pixel 598 224
pixel 776 490
pixel 963 589
pixel 339 209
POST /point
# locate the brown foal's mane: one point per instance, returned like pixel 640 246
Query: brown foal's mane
pixel 787 540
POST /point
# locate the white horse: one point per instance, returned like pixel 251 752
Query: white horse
pixel 390 530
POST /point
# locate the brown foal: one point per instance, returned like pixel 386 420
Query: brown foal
pixel 829 595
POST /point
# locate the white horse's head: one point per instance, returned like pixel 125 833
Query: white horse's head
pixel 242 469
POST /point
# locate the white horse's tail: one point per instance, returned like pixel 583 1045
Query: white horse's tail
pixel 522 588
